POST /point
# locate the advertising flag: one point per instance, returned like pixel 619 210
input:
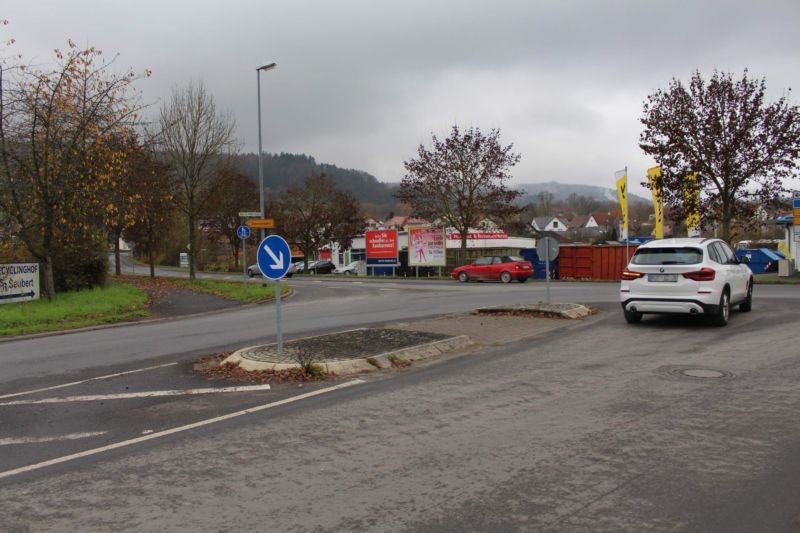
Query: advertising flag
pixel 622 190
pixel 691 199
pixel 658 205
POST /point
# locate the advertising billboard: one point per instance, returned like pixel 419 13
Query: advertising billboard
pixel 382 248
pixel 426 246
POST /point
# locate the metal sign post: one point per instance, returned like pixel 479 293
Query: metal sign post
pixel 547 247
pixel 274 258
pixel 243 232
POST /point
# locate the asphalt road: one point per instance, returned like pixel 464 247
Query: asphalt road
pixel 593 426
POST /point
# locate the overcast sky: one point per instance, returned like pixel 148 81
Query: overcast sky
pixel 360 83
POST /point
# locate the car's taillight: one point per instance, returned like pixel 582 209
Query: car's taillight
pixel 704 274
pixel 630 274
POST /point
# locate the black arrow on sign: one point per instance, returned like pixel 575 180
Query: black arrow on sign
pixel 21 295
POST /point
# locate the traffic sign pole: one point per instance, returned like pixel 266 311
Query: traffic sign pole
pixel 274 258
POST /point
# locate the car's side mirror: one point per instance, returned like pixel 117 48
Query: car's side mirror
pixel 744 260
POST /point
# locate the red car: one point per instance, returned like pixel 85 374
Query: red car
pixel 502 267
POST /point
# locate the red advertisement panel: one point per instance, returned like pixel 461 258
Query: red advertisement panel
pixel 382 247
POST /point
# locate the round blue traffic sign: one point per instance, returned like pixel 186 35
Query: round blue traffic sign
pixel 274 257
pixel 243 232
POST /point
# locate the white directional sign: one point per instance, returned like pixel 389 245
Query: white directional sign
pixel 19 282
pixel 274 257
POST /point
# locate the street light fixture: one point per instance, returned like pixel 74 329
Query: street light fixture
pixel 265 67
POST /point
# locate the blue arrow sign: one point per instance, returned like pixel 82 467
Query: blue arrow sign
pixel 243 232
pixel 274 257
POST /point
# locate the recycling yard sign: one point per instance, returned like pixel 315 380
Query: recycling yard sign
pixel 19 282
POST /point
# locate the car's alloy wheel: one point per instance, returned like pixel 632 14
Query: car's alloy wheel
pixel 505 277
pixel 747 304
pixel 462 277
pixel 723 311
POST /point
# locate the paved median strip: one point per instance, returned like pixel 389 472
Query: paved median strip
pixel 146 394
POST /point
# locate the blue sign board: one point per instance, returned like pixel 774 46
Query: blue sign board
pixel 797 203
pixel 243 232
pixel 274 257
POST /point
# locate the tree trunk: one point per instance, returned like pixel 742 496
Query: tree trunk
pixel 463 251
pixel 49 282
pixel 191 247
pixel 117 266
pixel 152 263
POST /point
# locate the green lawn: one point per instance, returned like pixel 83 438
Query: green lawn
pixel 254 291
pixel 775 280
pixel 116 303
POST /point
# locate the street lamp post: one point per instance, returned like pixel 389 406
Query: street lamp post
pixel 265 67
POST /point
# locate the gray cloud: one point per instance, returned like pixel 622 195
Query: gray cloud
pixel 361 83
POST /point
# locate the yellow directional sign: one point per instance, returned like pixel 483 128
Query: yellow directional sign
pixel 258 223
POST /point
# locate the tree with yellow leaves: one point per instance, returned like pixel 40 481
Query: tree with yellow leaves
pixel 62 140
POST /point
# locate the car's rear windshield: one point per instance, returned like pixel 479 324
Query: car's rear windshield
pixel 512 259
pixel 667 256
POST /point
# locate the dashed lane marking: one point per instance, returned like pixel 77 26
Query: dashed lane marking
pixel 187 427
pixel 145 394
pixel 72 384
pixel 37 440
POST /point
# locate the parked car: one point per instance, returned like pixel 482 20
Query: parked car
pixel 253 270
pixel 495 267
pixel 351 269
pixel 688 276
pixel 321 267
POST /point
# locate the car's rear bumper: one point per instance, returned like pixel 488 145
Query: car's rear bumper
pixel 669 306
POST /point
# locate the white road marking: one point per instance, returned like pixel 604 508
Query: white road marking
pixel 187 427
pixel 87 380
pixel 36 440
pixel 387 289
pixel 146 394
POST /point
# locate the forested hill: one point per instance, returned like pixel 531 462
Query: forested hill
pixel 281 171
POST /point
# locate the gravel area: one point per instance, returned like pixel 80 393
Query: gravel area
pixel 354 344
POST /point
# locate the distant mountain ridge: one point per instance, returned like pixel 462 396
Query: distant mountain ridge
pixel 562 191
pixel 284 170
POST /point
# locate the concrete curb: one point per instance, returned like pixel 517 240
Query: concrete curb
pixel 364 364
pixel 560 310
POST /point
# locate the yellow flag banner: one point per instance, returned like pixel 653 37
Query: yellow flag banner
pixel 658 204
pixel 622 190
pixel 691 198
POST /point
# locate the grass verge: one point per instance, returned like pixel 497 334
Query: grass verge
pixel 115 303
pixel 254 291
pixel 774 279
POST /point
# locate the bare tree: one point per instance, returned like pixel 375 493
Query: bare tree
pixel 230 192
pixel 460 180
pixel 741 147
pixel 195 140
pixel 316 213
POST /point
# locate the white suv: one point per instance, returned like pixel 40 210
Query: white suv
pixel 694 276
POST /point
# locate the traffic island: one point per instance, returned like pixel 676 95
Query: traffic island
pixel 348 352
pixel 551 310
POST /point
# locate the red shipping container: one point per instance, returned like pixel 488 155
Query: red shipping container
pixel 594 262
